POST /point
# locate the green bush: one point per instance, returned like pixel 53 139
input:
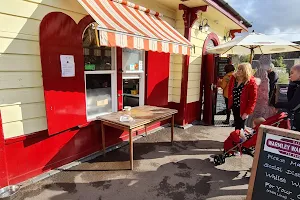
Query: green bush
pixel 283 75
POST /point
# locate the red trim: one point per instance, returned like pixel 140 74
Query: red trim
pixel 227 14
pixel 215 39
pixel 3 161
pixel 189 17
pixel 29 156
pixel 146 77
pixel 84 22
pixel 193 110
pixel 41 134
pixel 232 32
pixel 179 115
pixel 119 79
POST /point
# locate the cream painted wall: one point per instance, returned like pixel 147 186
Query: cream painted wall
pixel 175 65
pixel 21 90
pixel 198 38
pixel 21 87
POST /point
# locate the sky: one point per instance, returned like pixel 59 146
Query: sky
pixel 280 18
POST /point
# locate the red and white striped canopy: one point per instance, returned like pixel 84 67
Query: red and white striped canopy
pixel 124 24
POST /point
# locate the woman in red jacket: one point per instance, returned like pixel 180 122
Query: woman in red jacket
pixel 242 94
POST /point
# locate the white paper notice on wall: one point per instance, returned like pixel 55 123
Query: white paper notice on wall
pixel 67 65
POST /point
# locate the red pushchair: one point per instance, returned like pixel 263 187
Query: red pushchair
pixel 233 144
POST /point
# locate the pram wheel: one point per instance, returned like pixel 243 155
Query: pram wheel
pixel 219 159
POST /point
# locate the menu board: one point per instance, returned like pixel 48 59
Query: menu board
pixel 276 167
pixel 221 63
pixel 281 93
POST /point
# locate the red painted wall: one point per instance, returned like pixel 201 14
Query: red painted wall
pixel 3 164
pixel 64 96
pixel 28 156
pixel 37 153
pixel 119 78
pixel 157 80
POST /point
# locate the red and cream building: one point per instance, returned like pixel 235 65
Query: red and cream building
pixel 64 62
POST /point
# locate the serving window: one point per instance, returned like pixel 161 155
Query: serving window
pixel 100 76
pixel 91 89
pixel 133 77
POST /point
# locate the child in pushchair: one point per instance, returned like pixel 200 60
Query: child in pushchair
pixel 244 141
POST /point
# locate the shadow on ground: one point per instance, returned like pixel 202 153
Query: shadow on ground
pixel 162 171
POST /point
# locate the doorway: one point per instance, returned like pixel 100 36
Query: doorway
pixel 208 83
pixel 219 105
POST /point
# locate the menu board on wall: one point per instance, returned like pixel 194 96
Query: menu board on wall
pixel 221 62
pixel 276 167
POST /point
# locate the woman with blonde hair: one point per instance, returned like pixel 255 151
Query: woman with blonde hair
pixel 242 94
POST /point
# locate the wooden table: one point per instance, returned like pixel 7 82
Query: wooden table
pixel 143 116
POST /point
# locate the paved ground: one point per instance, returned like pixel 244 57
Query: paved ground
pixel 164 172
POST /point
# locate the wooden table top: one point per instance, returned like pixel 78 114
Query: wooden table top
pixel 141 115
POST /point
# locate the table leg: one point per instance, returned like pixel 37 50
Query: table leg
pixel 131 149
pixel 145 130
pixel 103 137
pixel 172 129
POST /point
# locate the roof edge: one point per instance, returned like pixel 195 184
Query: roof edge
pixel 233 12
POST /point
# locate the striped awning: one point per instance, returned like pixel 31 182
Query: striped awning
pixel 124 24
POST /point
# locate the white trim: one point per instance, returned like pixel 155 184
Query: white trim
pixel 131 77
pixel 133 72
pixel 137 75
pixel 113 73
pixel 131 95
pixel 94 117
pixel 114 94
pixel 142 84
pixel 100 72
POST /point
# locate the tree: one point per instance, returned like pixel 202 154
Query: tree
pixel 245 58
pixel 282 70
pixel 278 62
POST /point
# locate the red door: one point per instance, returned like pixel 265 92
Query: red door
pixel 208 80
pixel 209 87
pixel 157 81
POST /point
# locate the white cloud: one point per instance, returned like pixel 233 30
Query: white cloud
pixel 276 17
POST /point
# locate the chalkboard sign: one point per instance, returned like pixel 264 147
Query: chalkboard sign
pixel 281 93
pixel 276 166
pixel 221 62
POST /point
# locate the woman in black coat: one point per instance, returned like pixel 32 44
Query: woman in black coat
pixel 293 95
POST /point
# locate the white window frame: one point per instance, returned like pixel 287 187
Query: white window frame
pixel 113 73
pixel 136 75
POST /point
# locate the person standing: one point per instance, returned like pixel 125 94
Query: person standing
pixel 229 69
pixel 262 108
pixel 273 79
pixel 293 96
pixel 242 94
